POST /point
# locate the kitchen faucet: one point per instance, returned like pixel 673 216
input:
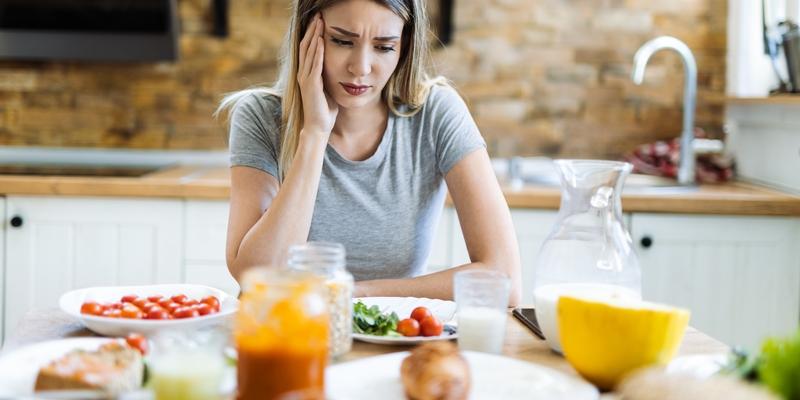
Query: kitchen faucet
pixel 686 167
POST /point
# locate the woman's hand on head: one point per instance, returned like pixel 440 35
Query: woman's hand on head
pixel 319 109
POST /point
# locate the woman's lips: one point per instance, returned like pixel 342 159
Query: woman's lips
pixel 354 90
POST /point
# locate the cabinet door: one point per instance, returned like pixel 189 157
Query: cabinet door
pixel 65 243
pixel 531 227
pixel 2 264
pixel 206 231
pixel 441 248
pixel 739 276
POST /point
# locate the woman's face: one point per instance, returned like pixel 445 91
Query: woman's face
pixel 362 48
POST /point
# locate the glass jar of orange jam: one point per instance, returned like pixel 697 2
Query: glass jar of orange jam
pixel 281 336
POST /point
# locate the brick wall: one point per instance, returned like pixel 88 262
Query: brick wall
pixel 541 77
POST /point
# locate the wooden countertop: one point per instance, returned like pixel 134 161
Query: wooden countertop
pixel 50 324
pixel 204 182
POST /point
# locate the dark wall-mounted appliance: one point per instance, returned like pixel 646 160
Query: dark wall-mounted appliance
pixel 100 30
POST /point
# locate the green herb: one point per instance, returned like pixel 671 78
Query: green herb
pixel 371 321
pixel 779 367
pixel 742 365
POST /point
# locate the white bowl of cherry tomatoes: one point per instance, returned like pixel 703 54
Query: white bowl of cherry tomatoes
pixel 120 310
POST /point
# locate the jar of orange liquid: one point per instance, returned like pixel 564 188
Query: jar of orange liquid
pixel 281 335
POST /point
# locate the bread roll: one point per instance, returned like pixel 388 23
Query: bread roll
pixel 436 371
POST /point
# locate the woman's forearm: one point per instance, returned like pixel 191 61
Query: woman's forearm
pixel 287 221
pixel 438 285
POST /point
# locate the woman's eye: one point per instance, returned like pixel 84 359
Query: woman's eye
pixel 385 49
pixel 341 42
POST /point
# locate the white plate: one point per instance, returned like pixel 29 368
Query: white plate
pixel 71 302
pixel 493 377
pixel 18 369
pixel 701 366
pixel 444 310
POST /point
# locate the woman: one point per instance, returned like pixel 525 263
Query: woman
pixel 354 145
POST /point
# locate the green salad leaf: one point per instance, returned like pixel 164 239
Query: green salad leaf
pixel 779 366
pixel 371 321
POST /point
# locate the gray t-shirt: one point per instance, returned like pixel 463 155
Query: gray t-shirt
pixel 384 209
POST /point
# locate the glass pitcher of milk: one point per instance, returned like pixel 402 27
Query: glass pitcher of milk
pixel 589 251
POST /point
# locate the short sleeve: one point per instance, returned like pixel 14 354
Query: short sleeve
pixel 255 133
pixel 455 132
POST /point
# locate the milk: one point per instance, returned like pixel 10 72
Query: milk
pixel 481 329
pixel 546 302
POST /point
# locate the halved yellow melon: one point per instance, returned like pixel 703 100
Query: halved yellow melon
pixel 604 339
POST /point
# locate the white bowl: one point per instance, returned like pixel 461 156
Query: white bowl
pixel 71 303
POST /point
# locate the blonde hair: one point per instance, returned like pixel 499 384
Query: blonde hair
pixel 408 86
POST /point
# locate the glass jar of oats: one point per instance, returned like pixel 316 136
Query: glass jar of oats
pixel 327 260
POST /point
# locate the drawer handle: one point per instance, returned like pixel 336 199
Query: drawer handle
pixel 16 221
pixel 646 242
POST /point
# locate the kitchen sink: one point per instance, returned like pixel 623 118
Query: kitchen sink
pixel 128 171
pixel 541 171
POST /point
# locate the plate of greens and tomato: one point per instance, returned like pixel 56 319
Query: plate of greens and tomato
pixel 403 320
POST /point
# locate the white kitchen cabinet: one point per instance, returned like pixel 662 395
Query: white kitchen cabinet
pixel 63 243
pixel 2 265
pixel 739 275
pixel 442 246
pixel 206 230
pixel 531 226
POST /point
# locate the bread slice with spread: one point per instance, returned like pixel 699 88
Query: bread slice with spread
pixel 115 367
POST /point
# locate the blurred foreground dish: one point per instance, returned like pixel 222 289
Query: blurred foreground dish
pixel 115 367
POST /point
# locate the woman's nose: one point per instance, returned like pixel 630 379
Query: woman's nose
pixel 360 63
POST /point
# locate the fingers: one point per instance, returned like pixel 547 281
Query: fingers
pixel 306 39
pixel 306 50
pixel 314 43
pixel 316 69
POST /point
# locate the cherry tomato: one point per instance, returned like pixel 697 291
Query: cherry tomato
pixel 191 302
pixel 155 299
pixel 164 302
pixel 431 326
pixel 179 298
pixel 128 298
pixel 212 301
pixel 138 342
pixel 132 312
pixel 92 308
pixel 420 313
pixel 173 307
pixel 114 306
pixel 140 302
pixel 113 313
pixel 148 306
pixel 157 313
pixel 204 309
pixel 408 327
pixel 186 312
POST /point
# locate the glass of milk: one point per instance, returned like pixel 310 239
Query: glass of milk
pixel 482 304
